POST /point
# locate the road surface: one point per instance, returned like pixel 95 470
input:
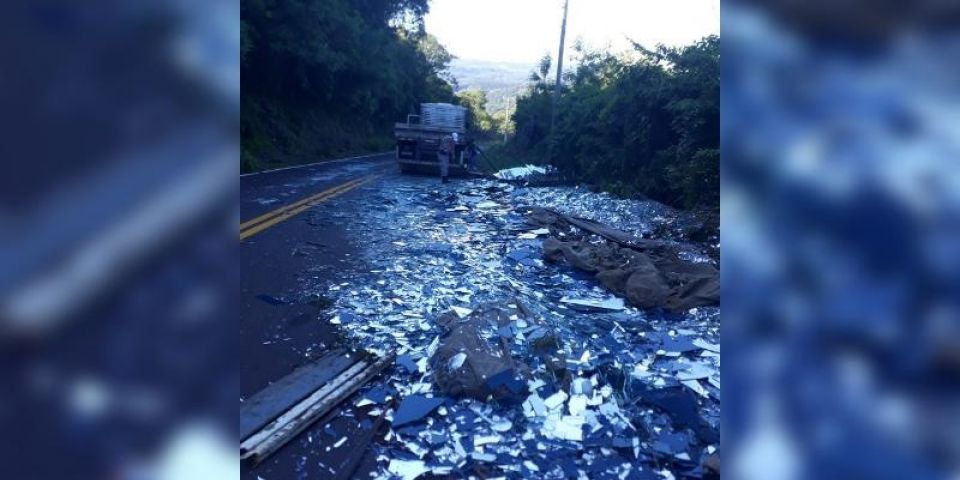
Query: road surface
pixel 352 254
pixel 284 239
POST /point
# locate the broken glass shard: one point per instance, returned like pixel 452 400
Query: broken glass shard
pixel 612 304
pixel 415 408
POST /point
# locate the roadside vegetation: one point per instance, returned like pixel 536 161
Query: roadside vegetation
pixel 327 78
pixel 647 123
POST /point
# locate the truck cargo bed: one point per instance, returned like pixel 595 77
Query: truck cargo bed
pixel 419 142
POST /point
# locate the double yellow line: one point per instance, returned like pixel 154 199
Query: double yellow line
pixel 269 219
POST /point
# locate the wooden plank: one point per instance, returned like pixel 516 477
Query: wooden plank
pixel 290 415
pixel 297 419
pixel 269 403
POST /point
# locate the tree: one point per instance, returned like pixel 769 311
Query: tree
pixel 476 103
pixel 324 77
pixel 539 77
pixel 646 124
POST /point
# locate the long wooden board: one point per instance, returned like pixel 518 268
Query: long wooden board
pixel 269 403
pixel 292 422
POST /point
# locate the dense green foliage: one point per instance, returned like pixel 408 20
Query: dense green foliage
pixel 328 77
pixel 646 124
pixel 482 123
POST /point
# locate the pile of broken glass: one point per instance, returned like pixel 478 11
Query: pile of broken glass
pixel 602 389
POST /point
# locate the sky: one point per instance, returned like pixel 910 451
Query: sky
pixel 522 31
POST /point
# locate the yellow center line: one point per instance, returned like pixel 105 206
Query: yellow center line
pixel 285 208
pixel 288 211
pixel 267 220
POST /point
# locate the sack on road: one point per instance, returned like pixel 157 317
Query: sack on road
pixel 648 273
pixel 467 363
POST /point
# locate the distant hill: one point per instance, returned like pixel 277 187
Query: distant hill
pixel 501 80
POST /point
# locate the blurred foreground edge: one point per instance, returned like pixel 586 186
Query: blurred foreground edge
pixel 839 189
pixel 117 237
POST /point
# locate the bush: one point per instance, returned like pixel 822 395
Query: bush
pixel 647 125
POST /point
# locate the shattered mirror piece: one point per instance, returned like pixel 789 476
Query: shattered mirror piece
pixel 672 443
pixel 457 361
pixel 437 438
pixel 407 362
pixel 508 379
pixel 679 344
pixel 577 404
pixel 534 406
pixel 612 304
pixel 502 425
pixel 407 469
pixel 377 395
pixel 676 401
pixel 701 343
pixel 415 408
pixel 581 386
pixel 519 172
pixel 696 371
pixel 589 395
pixel 556 400
pixel 696 387
pixel 524 255
pixel 567 427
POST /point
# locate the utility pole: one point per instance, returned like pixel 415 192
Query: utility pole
pixel 556 88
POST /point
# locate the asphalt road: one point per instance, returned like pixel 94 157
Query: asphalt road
pixel 286 240
pixel 387 253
